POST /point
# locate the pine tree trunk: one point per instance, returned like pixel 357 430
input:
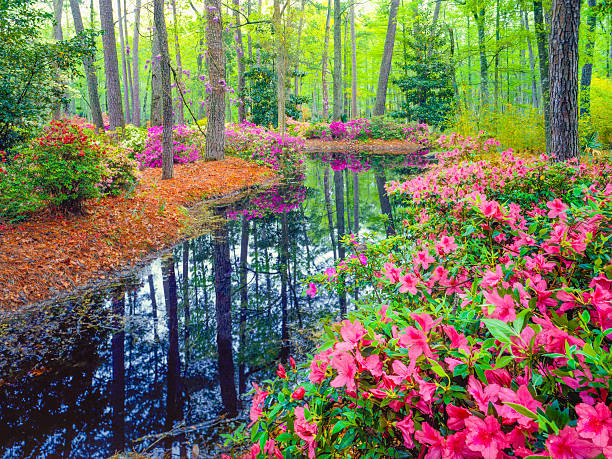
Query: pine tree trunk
pixel 215 128
pixel 124 74
pixel 497 51
pixel 324 90
pixel 281 66
pixel 240 59
pixel 296 88
pixel 479 16
pixel 337 75
pixel 180 112
pixel 354 112
pixel 156 82
pixel 166 90
pixel 563 51
pixel 244 302
pixel 90 70
pixel 534 89
pixel 542 42
pixel 128 63
pixel 223 288
pixel 387 58
pixel 135 67
pixel 58 35
pixel 587 67
pixel 111 66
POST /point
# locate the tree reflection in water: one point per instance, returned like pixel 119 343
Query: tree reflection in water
pixel 234 307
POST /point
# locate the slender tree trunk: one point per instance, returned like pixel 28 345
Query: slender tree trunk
pixel 563 51
pixel 244 302
pixel 240 59
pixel 296 89
pixel 587 67
pixel 135 67
pixel 356 203
pixel 215 128
pixel 479 16
pixel 180 112
pixel 339 194
pixel 542 42
pixel 58 35
pixel 453 72
pixel 174 368
pixel 337 75
pixel 324 90
pixel 128 63
pixel 354 112
pixel 497 51
pixel 186 304
pixel 156 82
pixel 166 90
pixel 90 70
pixel 534 89
pixel 118 384
pixel 111 66
pixel 223 303
pixel 328 208
pixel 281 65
pixel 124 74
pixel 385 204
pixel 385 64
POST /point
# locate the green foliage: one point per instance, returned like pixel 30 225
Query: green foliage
pixel 33 69
pixel 382 128
pixel 426 83
pixel 134 138
pixel 17 197
pixel 119 170
pixel 601 108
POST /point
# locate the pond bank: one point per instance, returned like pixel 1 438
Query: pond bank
pixel 372 146
pixel 49 254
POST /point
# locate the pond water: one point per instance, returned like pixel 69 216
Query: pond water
pixel 166 351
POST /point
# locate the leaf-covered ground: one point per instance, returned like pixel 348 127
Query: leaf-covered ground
pixel 49 254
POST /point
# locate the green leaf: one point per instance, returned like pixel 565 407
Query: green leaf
pixel 338 427
pixel 500 330
pixel 521 409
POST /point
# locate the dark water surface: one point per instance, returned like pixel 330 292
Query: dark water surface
pixel 115 369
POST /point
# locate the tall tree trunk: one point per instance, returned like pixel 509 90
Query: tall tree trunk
pixel 244 302
pixel 337 75
pixel 166 90
pixel 324 90
pixel 180 112
pixel 281 64
pixel 356 202
pixel 542 42
pixel 453 72
pixel 339 194
pixel 111 66
pixel 58 35
pixel 240 59
pixel 90 70
pixel 436 12
pixel 534 89
pixel 479 16
pixel 328 208
pixel 174 369
pixel 385 204
pixel 128 63
pixel 497 51
pixel 385 64
pixel 587 67
pixel 187 305
pixel 124 75
pixel 284 262
pixel 118 384
pixel 354 112
pixel 563 51
pixel 156 82
pixel 135 67
pixel 223 302
pixel 215 128
pixel 296 89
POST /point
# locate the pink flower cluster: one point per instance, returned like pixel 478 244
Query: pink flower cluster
pixel 184 145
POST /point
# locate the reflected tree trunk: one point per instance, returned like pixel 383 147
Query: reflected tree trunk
pixel 337 75
pixel 356 203
pixel 284 260
pixel 348 200
pixel 223 306
pixel 244 300
pixel 328 208
pixel 155 332
pixel 118 384
pixel 186 304
pixel 339 192
pixel 385 205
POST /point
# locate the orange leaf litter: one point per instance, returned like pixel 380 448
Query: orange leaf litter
pixel 49 254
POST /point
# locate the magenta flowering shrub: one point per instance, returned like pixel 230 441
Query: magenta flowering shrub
pixel 255 143
pixel 277 199
pixel 483 331
pixel 185 145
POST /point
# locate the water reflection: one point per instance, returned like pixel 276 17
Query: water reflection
pixel 178 344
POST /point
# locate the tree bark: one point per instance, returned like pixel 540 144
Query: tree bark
pixel 58 35
pixel 563 51
pixel 156 82
pixel 173 410
pixel 281 65
pixel 385 64
pixel 215 128
pixel 128 63
pixel 542 42
pixel 328 208
pixel 385 204
pixel 479 16
pixel 356 203
pixel 324 90
pixel 187 305
pixel 90 70
pixel 296 89
pixel 111 66
pixel 135 67
pixel 587 67
pixel 337 76
pixel 118 383
pixel 223 302
pixel 166 91
pixel 354 112
pixel 124 75
pixel 180 112
pixel 240 59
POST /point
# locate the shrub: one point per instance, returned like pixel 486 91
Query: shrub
pixel 601 108
pixel 119 170
pixel 64 166
pixel 483 330
pixel 134 139
pixel 17 196
pixel 186 145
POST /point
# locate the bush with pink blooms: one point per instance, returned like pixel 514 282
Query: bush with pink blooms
pixel 483 328
pixel 186 141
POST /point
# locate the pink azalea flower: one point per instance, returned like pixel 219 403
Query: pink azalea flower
pixel 352 332
pixel 312 290
pixel 458 340
pixel 569 445
pixel 594 423
pixel 307 431
pixel 456 416
pixel 318 366
pixel 485 436
pixel 432 438
pixel 383 314
pixel 446 244
pixel 408 283
pixel 417 342
pixel 392 272
pixel 557 208
pixel 504 307
pixel 406 426
pixel 423 259
pixel 258 400
pixel 344 364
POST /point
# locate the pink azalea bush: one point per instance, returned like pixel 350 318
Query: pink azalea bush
pixel 483 330
pixel 185 144
pixel 275 200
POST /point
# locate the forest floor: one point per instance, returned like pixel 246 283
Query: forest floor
pixel 374 146
pixel 50 254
